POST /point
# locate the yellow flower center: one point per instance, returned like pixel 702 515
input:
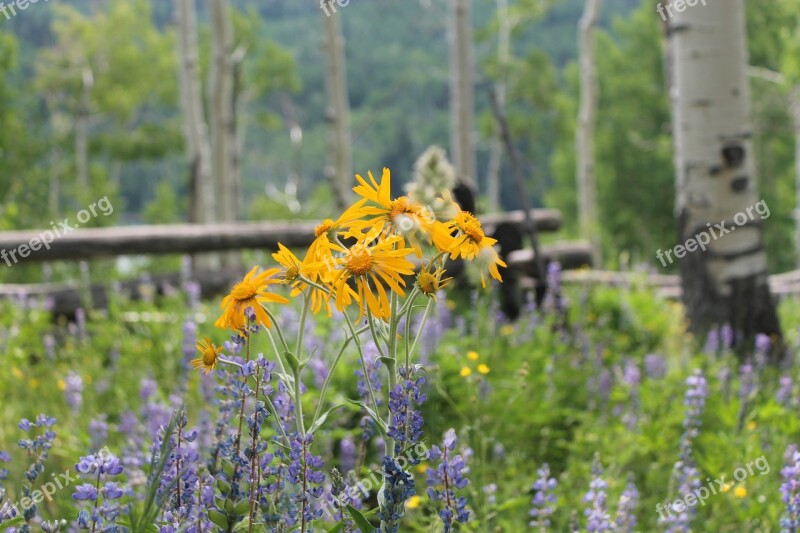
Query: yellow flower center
pixel 291 273
pixel 209 356
pixel 399 206
pixel 244 291
pixel 427 283
pixel 471 227
pixel 359 261
pixel 325 227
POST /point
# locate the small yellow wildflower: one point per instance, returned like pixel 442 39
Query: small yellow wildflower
pixel 210 354
pixel 483 369
pixel 61 384
pixel 740 492
pixel 16 372
pixel 751 426
pixel 466 372
pixel 472 356
pixel 726 487
pixel 413 502
pixel 422 468
pixel 506 330
pixel 33 383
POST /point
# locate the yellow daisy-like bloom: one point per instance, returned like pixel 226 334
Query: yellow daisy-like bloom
pixel 293 268
pixel 740 492
pixel 382 264
pixel 483 369
pixel 210 354
pixel 250 292
pixel 413 502
pixel 400 216
pixel 430 281
pixel 472 356
pixel 465 372
pixel 472 243
pixel 326 232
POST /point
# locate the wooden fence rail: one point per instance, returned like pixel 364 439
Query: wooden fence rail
pixel 91 243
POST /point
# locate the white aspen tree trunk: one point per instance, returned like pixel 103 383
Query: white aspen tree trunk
pixel 462 97
pixel 82 131
pixel 340 168
pixel 195 131
pixel 221 107
pixel 584 139
pixel 795 108
pixel 716 175
pixel 222 126
pixel 496 148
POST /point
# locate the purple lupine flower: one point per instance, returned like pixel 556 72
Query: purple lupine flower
pixel 712 342
pixel 726 334
pixel 790 490
pixel 397 488
pixel 686 477
pixel 655 366
pixel 305 470
pixel 98 432
pixel 597 517
pixel 785 394
pixel 73 391
pixel 319 369
pixel 446 478
pixel 348 453
pixel 490 491
pixel 543 504
pixel 406 422
pixel 626 508
pixel 98 469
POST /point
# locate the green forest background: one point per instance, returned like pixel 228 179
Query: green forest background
pixel 398 69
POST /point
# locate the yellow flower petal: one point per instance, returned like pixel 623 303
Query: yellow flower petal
pixel 483 369
pixel 466 371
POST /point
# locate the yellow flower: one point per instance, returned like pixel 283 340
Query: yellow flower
pixel 726 487
pixel 250 292
pixel 751 425
pixel 382 264
pixel 422 468
pixel 506 330
pixel 483 369
pixel 16 372
pixel 471 242
pixel 465 372
pixel 61 384
pixel 472 356
pixel 413 502
pixel 328 230
pixel 293 268
pixel 430 282
pixel 740 492
pixel 33 383
pixel 400 216
pixel 210 354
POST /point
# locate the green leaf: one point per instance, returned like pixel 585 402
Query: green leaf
pixel 321 420
pixel 218 518
pixel 293 362
pixel 380 423
pixel 11 523
pixel 243 525
pixel 362 523
pixel 223 486
pixel 337 528
pixel 242 508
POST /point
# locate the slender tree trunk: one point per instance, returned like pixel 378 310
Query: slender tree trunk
pixel 587 186
pixel 340 170
pixel 221 108
pixel 462 93
pixel 496 148
pixel 795 108
pixel 82 131
pixel 195 131
pixel 716 181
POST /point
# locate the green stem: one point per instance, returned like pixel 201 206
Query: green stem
pixel 371 322
pixel 324 389
pixel 361 358
pixel 422 324
pixel 301 331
